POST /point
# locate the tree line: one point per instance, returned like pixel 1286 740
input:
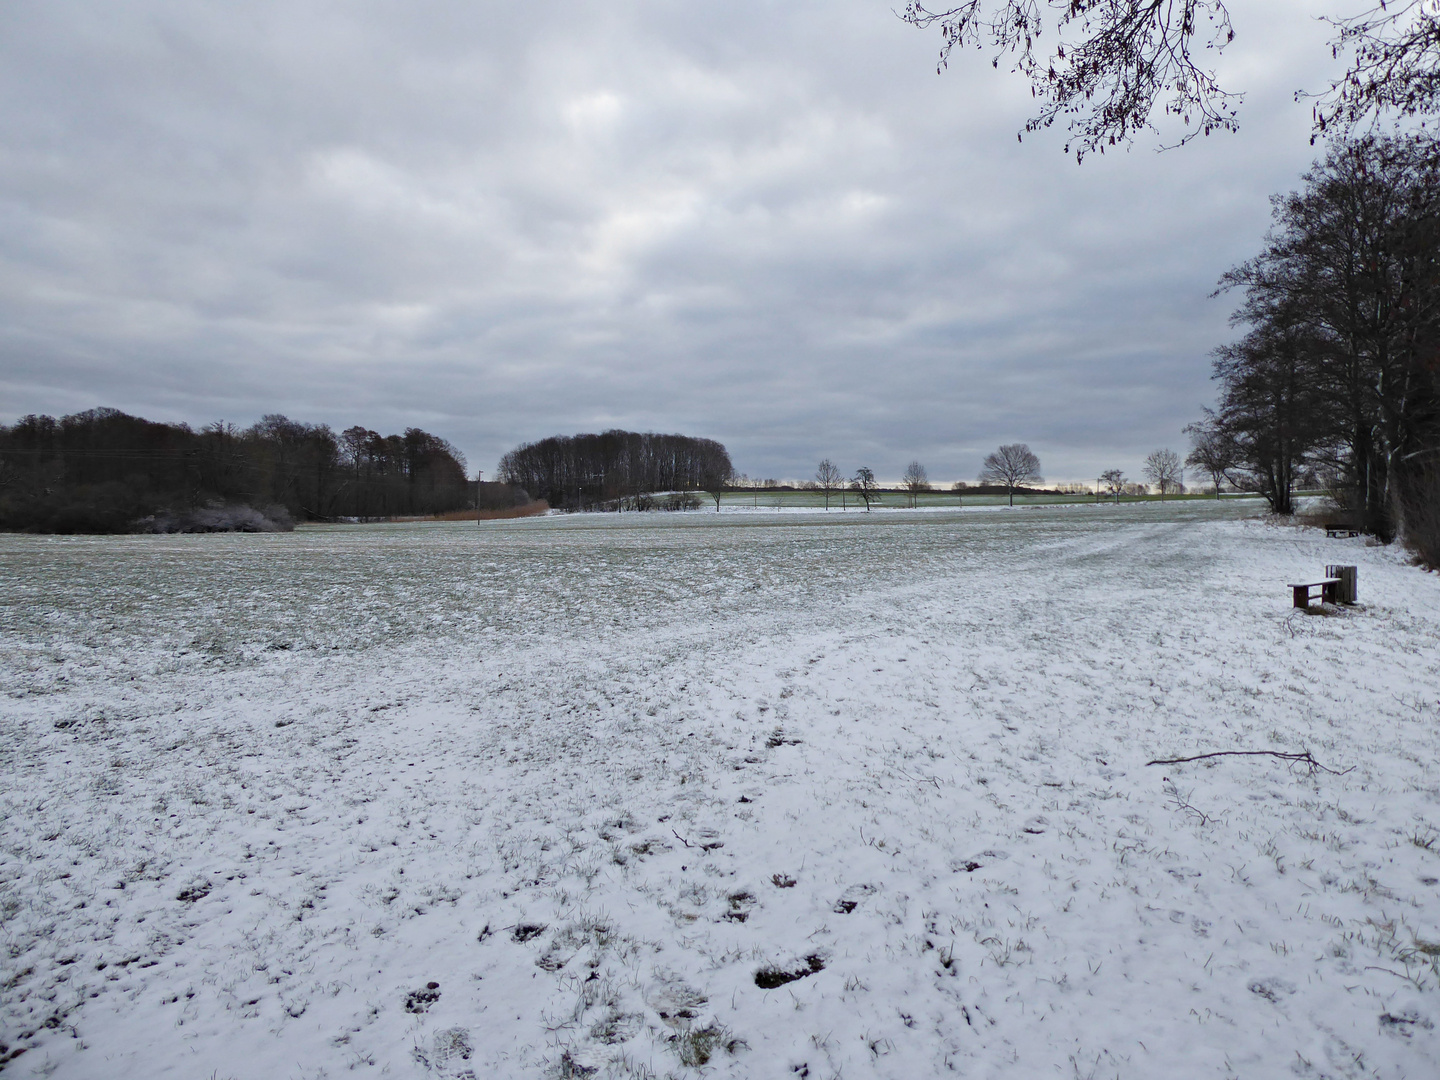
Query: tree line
pixel 1337 374
pixel 616 470
pixel 104 471
pixel 1010 467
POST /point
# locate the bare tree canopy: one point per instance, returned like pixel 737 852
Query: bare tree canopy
pixel 716 476
pixel 1114 481
pixel 915 480
pixel 829 478
pixel 1013 465
pixel 613 468
pixel 1395 68
pixel 1114 62
pixel 1162 468
pixel 1209 449
pixel 865 486
pixel 1337 371
pixel 1269 406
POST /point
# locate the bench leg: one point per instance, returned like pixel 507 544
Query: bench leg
pixel 1302 596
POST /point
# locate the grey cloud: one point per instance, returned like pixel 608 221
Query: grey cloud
pixel 769 224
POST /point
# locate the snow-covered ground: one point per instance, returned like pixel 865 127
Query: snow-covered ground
pixel 555 797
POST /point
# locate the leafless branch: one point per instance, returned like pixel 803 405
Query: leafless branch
pixel 1303 758
pixel 1182 802
pixel 1395 66
pixel 1112 63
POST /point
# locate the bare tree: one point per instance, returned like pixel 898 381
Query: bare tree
pixel 1210 449
pixel 1270 408
pixel 915 480
pixel 1343 304
pixel 829 478
pixel 1013 465
pixel 1162 468
pixel 1114 481
pixel 717 472
pixel 865 486
pixel 1113 62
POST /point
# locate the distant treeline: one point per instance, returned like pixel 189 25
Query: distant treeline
pixel 616 469
pixel 106 471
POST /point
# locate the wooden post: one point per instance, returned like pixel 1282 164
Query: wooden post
pixel 1302 595
pixel 1346 593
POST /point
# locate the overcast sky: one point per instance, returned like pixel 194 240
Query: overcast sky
pixel 768 223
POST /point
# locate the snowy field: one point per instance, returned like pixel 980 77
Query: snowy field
pixel 726 795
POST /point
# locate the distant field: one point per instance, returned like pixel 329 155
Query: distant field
pixel 747 794
pixel 810 500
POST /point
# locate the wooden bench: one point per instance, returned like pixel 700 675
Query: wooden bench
pixel 1335 528
pixel 1328 591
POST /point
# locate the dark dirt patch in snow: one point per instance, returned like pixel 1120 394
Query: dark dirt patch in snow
pixel 768 978
pixel 851 899
pixel 417 1001
pixel 740 905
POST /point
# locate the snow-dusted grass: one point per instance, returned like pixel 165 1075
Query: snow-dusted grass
pixel 550 796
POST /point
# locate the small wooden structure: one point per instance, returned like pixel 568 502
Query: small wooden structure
pixel 1336 587
pixel 1336 528
pixel 1328 591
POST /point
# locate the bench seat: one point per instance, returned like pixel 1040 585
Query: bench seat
pixel 1328 591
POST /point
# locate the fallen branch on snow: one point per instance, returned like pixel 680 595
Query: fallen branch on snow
pixel 1303 758
pixel 919 779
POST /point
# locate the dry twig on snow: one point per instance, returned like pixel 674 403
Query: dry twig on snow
pixel 1303 758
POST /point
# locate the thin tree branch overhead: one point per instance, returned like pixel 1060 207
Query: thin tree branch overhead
pixel 1114 62
pixel 1395 66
